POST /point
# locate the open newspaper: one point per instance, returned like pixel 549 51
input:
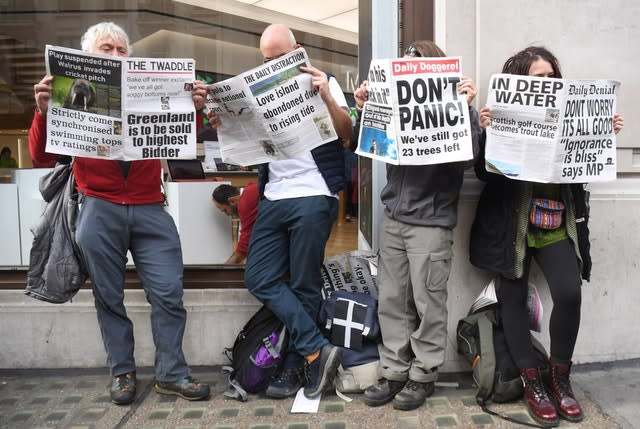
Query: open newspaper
pixel 270 112
pixel 552 130
pixel 487 296
pixel 120 108
pixel 415 115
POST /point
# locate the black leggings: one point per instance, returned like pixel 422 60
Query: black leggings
pixel 560 266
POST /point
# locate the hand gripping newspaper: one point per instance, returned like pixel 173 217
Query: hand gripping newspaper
pixel 551 130
pixel 120 108
pixel 414 115
pixel 270 112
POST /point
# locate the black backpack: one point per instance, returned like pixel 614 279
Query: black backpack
pixel 481 341
pixel 257 354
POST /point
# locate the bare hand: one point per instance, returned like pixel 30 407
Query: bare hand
pixel 485 117
pixel 199 94
pixel 319 81
pixel 468 88
pixel 214 119
pixel 362 94
pixel 42 94
pixel 618 123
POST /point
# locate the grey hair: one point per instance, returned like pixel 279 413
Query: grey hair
pixel 103 29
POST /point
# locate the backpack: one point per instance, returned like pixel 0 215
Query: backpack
pixel 257 354
pixel 482 342
pixel 350 296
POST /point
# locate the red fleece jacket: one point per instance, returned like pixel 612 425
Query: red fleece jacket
pixel 103 178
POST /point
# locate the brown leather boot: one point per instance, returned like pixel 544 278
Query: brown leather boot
pixel 560 391
pixel 540 406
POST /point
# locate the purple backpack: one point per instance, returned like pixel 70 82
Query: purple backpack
pixel 257 354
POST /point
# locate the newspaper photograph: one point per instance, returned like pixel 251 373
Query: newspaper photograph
pixel 414 115
pixel 270 112
pixel 551 130
pixel 120 108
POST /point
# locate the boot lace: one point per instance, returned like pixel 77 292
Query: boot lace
pixel 537 388
pixel 123 383
pixel 412 385
pixel 287 374
pixel 562 384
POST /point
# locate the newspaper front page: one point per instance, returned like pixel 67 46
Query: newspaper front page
pixel 270 112
pixel 120 108
pixel 552 130
pixel 414 115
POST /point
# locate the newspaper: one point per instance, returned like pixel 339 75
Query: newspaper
pixel 415 115
pixel 552 130
pixel 270 112
pixel 120 108
pixel 487 297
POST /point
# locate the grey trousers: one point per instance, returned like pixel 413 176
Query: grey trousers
pixel 414 267
pixel 105 231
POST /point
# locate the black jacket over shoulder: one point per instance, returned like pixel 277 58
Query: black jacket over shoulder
pixel 494 229
pixel 56 270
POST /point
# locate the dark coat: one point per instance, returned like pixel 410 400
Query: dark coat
pixel 500 211
pixel 56 271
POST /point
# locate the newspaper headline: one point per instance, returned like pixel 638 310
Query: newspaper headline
pixel 120 108
pixel 414 115
pixel 552 130
pixel 270 112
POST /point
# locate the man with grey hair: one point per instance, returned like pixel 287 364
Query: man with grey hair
pixel 122 210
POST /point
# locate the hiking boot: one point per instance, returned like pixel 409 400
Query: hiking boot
pixel 321 373
pixel 186 388
pixel 413 395
pixel 561 393
pixel 540 406
pixel 382 392
pixel 123 388
pixel 286 384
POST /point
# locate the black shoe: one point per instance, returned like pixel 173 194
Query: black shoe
pixel 186 388
pixel 382 392
pixel 123 388
pixel 413 395
pixel 286 384
pixel 321 373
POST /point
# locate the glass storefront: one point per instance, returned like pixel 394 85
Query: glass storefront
pixel 222 36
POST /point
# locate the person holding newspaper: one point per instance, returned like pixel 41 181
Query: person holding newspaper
pixel 122 210
pixel 297 209
pixel 415 261
pixel 506 235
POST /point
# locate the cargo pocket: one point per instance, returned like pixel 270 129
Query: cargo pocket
pixel 439 270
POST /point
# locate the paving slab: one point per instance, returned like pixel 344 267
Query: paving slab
pixel 79 399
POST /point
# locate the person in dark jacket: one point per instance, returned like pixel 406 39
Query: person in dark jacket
pixel 504 240
pixel 420 212
pixel 122 210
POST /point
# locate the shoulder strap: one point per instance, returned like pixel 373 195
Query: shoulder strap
pixel 234 390
pixel 487 363
pixel 487 369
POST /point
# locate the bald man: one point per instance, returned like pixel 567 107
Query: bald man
pixel 295 215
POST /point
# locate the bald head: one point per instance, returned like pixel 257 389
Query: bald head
pixel 277 40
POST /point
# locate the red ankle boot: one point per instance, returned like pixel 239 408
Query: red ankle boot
pixel 560 391
pixel 540 406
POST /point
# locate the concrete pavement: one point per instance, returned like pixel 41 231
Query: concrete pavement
pixel 79 399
